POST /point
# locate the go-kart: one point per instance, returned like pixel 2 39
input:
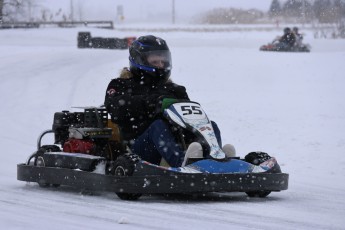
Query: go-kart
pixel 88 154
pixel 275 46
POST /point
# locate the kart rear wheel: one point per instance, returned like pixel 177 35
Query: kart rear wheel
pixel 40 163
pixel 124 166
pixel 51 148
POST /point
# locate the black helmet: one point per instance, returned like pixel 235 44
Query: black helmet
pixel 287 30
pixel 150 56
pixel 295 29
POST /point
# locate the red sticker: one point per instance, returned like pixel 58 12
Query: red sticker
pixel 111 91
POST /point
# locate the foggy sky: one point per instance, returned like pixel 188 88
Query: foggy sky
pixel 159 11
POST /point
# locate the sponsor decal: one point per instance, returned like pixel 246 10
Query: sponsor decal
pixel 111 91
pixel 269 163
pixel 204 128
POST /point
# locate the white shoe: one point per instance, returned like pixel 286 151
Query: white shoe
pixel 229 150
pixel 194 151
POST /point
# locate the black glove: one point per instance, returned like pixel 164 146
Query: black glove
pixel 155 103
pixel 152 100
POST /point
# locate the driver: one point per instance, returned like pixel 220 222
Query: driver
pixel 136 98
pixel 287 41
pixel 158 61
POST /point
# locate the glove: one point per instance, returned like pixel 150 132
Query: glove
pixel 152 101
pixel 166 102
pixel 156 104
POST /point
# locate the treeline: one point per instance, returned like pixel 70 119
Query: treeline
pixel 31 10
pixel 10 9
pixel 303 11
pixel 323 11
pixel 230 16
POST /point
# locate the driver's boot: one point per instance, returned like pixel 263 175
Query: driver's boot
pixel 229 150
pixel 193 153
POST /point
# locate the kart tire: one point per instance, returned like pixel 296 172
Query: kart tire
pixel 39 161
pixel 124 166
pixel 98 42
pixel 260 194
pixel 256 158
pixel 305 49
pixel 51 148
pixel 43 185
pixel 84 40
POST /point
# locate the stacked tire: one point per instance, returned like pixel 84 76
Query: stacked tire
pixel 115 43
pixel 86 41
pixel 97 42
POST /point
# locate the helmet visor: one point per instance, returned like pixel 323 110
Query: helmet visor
pixel 160 59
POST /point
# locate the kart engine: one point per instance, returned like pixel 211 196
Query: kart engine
pixel 83 132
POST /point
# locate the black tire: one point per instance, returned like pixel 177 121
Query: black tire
pixel 124 166
pixel 122 43
pixel 84 40
pixel 256 158
pixel 305 49
pixel 110 43
pixel 51 148
pixel 98 42
pixel 43 185
pixel 39 161
pixel 260 194
pixel 44 149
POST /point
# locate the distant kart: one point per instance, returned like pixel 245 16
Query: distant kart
pixel 273 46
pixel 85 40
pixel 92 157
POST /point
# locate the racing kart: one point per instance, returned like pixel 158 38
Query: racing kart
pixel 88 154
pixel 274 46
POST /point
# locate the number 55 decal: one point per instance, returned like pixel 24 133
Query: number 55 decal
pixel 191 109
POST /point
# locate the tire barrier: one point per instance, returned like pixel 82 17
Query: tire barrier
pixel 85 40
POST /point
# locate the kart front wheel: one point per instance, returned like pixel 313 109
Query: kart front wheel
pixel 124 166
pixel 260 194
pixel 256 158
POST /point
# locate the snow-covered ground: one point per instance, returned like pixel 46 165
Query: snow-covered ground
pixel 290 105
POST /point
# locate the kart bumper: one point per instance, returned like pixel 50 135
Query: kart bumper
pixel 174 182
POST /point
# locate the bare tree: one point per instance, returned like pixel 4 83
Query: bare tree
pixel 275 9
pixel 1 7
pixel 1 10
pixel 14 10
pixel 324 11
pixel 231 16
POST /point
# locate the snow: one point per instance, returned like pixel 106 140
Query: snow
pixel 290 105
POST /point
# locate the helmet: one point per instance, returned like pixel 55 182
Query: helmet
pixel 295 29
pixel 149 56
pixel 287 30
